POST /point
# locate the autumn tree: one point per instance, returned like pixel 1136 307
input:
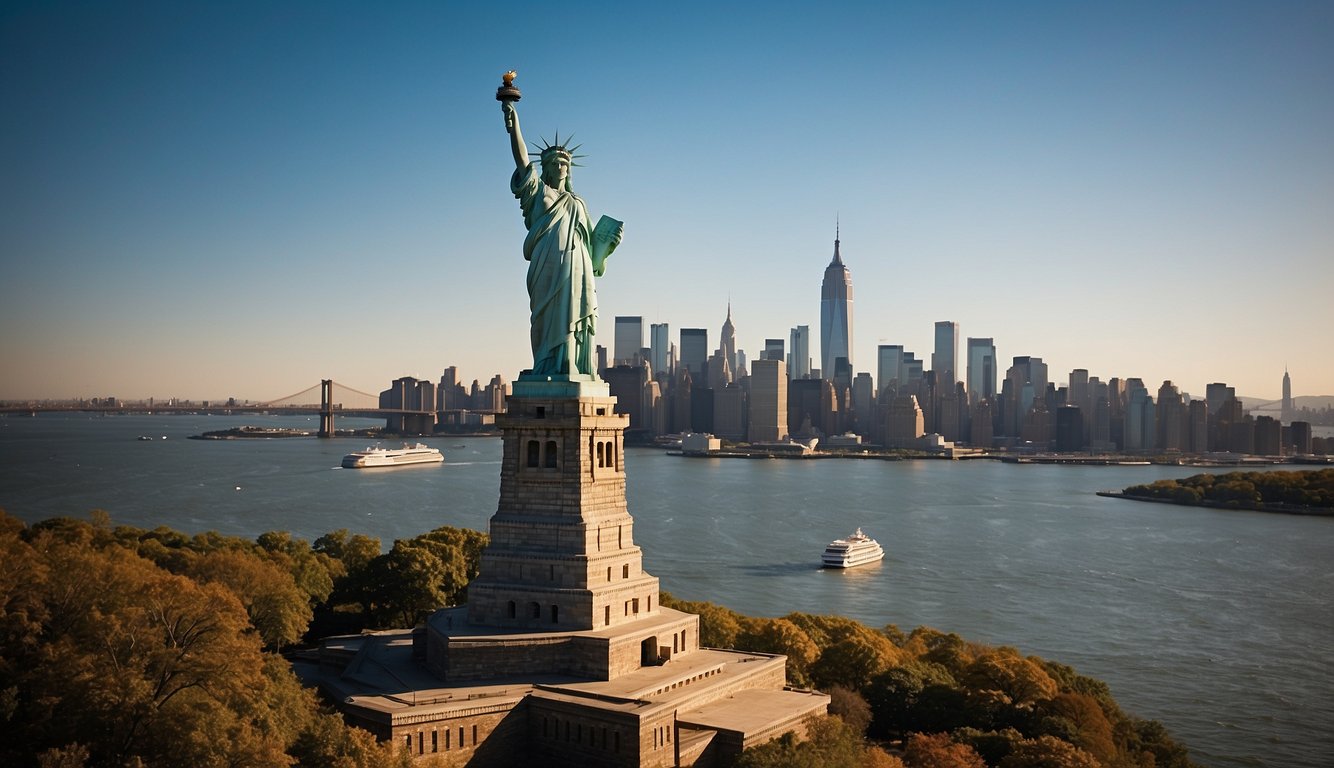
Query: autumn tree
pixel 781 636
pixel 938 750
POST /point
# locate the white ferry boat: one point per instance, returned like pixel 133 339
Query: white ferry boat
pixel 393 457
pixel 857 549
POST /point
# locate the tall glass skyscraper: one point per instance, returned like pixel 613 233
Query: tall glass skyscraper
pixel 945 357
pixel 799 354
pixel 835 314
pixel 888 367
pixel 981 370
pixel 694 352
pixel 660 343
pixel 629 340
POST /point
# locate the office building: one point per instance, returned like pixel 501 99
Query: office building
pixel 888 368
pixel 835 314
pixel 863 404
pixel 903 422
pixel 660 348
pixel 981 370
pixel 729 413
pixel 694 351
pixel 773 350
pixel 629 340
pixel 799 360
pixel 945 357
pixel 768 401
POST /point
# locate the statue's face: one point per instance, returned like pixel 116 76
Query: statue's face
pixel 555 170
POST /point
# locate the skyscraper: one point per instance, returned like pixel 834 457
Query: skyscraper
pixel 727 343
pixel 694 351
pixel 768 401
pixel 981 370
pixel 773 350
pixel 889 367
pixel 628 341
pixel 660 344
pixel 835 314
pixel 799 362
pixel 945 357
pixel 1286 413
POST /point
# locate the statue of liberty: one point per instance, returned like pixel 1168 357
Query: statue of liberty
pixel 564 251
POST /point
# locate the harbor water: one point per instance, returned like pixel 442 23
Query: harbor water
pixel 1216 623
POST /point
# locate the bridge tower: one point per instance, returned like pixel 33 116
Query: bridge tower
pixel 326 408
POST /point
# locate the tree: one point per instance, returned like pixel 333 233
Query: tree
pixel 1088 727
pixel 1048 752
pixel 1023 681
pixel 780 636
pixel 277 608
pixel 406 584
pixel 853 661
pixel 830 743
pixel 849 705
pixel 938 750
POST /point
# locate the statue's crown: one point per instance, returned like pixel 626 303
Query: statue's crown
pixel 556 148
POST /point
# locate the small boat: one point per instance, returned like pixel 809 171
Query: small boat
pixel 857 549
pixel 143 437
pixel 393 457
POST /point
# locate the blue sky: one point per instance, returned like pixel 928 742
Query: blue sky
pixel 204 200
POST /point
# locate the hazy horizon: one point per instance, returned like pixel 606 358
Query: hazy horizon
pixel 206 201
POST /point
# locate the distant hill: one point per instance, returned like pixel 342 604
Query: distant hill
pixel 1314 402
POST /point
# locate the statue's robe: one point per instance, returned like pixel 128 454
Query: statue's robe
pixel 560 274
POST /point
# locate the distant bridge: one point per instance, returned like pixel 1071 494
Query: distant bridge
pixel 326 398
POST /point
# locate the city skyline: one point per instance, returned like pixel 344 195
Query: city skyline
pixel 210 203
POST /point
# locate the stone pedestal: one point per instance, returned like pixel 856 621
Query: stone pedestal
pixel 562 556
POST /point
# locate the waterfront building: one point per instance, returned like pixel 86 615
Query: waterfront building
pixel 863 404
pixel 1037 429
pixel 1171 419
pixel 694 352
pixel 804 415
pixel 1197 419
pixel 799 360
pixel 981 370
pixel 730 413
pixel 682 393
pixel 768 401
pixel 1268 436
pixel 835 313
pixel 628 341
pixel 660 347
pixel 903 422
pixel 1069 428
pixel 1299 438
pixel 1026 381
pixel 1140 421
pixel 414 401
pixel 980 433
pixel 945 355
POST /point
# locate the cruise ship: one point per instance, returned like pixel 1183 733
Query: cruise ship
pixel 393 457
pixel 857 549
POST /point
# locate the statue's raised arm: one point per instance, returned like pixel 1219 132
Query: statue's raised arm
pixel 517 146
